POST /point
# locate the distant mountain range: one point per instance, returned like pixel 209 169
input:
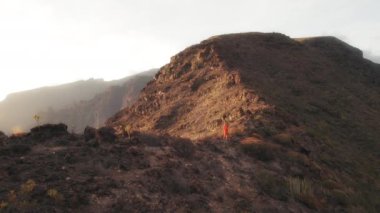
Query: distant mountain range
pixel 77 104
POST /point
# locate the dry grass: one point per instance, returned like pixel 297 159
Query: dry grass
pixel 12 196
pixel 54 194
pixel 303 191
pixel 297 158
pixel 3 205
pixel 285 139
pixel 28 186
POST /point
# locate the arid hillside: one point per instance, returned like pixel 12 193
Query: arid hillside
pixel 304 118
pixel 317 94
pixel 51 170
pixel 247 75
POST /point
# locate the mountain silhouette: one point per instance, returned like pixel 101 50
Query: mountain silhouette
pixel 55 102
pixel 96 111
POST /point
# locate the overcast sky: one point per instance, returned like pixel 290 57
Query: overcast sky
pixel 47 42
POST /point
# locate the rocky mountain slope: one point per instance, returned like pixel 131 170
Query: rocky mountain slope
pixel 316 96
pixel 304 117
pixel 247 74
pixel 54 103
pixel 96 111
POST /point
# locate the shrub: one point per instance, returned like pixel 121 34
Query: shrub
pixel 128 130
pixel 37 119
pixel 263 152
pixel 296 158
pixel 12 196
pixel 106 134
pixel 3 205
pixel 184 148
pixel 54 194
pixel 20 149
pixel 339 197
pixel 266 130
pixel 89 133
pixel 243 205
pixel 285 139
pixel 28 186
pixel 272 185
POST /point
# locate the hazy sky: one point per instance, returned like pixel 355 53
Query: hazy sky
pixel 47 42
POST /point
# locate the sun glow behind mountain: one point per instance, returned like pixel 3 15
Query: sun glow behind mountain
pixel 54 42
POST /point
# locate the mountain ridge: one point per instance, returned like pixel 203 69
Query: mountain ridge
pixel 315 96
pixel 226 60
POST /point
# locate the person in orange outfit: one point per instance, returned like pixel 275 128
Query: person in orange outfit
pixel 225 128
